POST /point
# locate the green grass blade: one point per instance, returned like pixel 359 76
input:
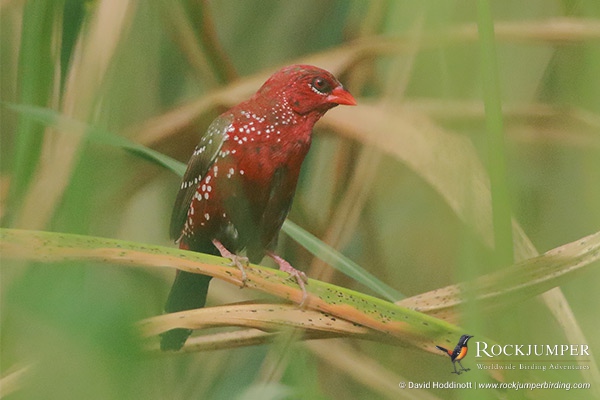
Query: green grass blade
pixel 406 325
pixel 339 261
pixel 53 118
pixel 311 243
pixel 501 210
pixel 515 283
pixel 35 77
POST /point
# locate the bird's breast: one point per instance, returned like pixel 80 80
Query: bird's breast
pixel 257 162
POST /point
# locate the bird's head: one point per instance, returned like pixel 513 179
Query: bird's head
pixel 464 339
pixel 306 89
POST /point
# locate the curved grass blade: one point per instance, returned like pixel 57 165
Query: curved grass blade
pixel 513 284
pixel 314 245
pixel 36 70
pixel 57 120
pixel 339 261
pixel 407 326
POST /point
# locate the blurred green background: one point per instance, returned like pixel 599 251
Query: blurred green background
pixel 125 65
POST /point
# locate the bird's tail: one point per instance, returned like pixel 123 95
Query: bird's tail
pixel 442 349
pixel 187 293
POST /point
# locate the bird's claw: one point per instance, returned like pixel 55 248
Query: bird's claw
pixel 236 261
pixel 240 262
pixel 301 279
pixel 300 276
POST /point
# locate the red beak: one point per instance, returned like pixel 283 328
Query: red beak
pixel 339 95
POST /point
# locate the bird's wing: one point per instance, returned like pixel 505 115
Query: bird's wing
pixel 458 348
pixel 283 187
pixel 276 208
pixel 202 159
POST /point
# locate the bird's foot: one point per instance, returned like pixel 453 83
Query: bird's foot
pixel 237 261
pixel 299 275
pixel 457 372
pixel 463 368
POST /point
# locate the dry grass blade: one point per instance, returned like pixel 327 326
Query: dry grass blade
pixel 347 213
pixel 92 58
pixel 517 283
pixel 407 326
pixel 538 122
pixel 456 110
pixel 448 162
pixel 509 285
pixel 114 68
pixel 339 59
pixel 159 129
pixel 364 369
pixel 266 317
pixel 223 340
pixel 184 36
pixel 556 31
pixel 13 381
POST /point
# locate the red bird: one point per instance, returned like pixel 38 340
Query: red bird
pixel 241 179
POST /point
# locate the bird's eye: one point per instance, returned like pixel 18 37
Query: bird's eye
pixel 321 85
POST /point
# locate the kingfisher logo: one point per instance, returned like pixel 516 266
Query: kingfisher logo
pixel 459 352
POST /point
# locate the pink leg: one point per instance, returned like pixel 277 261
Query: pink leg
pixel 299 275
pixel 236 260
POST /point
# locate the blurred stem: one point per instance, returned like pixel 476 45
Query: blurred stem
pixel 501 212
pixel 12 381
pixel 74 13
pixel 183 31
pixel 35 77
pixel 202 22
